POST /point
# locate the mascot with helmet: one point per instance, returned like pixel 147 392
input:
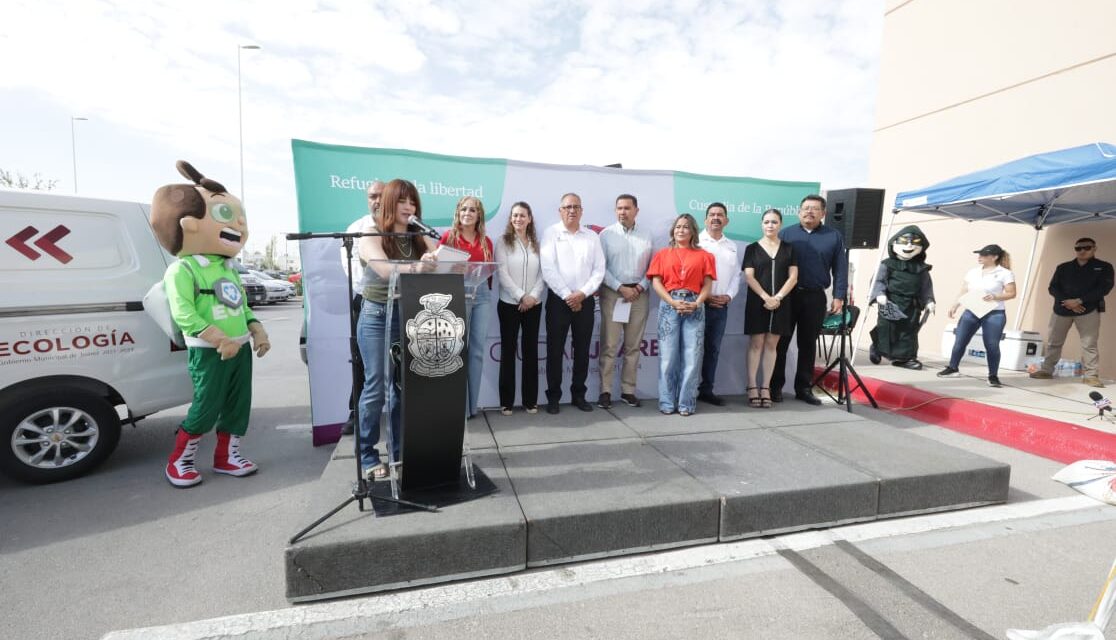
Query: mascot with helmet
pixel 903 290
pixel 206 228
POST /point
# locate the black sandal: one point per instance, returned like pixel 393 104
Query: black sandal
pixel 754 401
pixel 765 403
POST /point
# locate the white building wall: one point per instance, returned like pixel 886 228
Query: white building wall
pixel 966 85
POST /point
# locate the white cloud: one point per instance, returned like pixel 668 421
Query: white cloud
pixel 770 89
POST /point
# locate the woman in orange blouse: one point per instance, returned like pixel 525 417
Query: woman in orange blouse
pixel 683 276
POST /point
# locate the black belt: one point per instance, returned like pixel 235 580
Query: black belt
pixel 809 288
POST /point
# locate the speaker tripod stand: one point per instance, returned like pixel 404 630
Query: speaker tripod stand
pixel 844 368
pixel 362 488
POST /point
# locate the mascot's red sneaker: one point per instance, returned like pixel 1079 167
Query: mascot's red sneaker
pixel 227 458
pixel 180 467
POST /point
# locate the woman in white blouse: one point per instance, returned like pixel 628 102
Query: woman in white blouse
pixel 519 308
pixel 994 279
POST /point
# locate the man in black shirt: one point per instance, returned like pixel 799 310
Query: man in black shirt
pixel 1079 287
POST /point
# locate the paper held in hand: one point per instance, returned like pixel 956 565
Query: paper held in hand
pixel 974 301
pixel 449 254
pixel 622 311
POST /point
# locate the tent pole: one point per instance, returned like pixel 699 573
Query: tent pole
pixel 1027 280
pixel 866 302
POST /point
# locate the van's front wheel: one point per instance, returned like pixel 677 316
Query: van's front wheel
pixel 55 435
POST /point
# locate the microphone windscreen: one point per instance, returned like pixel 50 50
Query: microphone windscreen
pixel 1095 396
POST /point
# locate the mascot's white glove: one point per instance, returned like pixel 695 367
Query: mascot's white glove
pixel 930 307
pixel 881 299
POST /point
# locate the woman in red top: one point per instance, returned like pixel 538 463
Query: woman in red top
pixel 683 276
pixel 467 234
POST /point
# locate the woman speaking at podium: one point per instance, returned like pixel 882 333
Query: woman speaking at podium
pixel 399 202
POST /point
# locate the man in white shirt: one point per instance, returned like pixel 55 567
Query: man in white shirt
pixel 713 240
pixel 573 266
pixel 375 190
pixel 627 251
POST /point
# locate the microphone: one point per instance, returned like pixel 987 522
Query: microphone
pixel 417 223
pixel 1100 402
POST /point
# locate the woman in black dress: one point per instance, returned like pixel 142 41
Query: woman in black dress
pixel 771 271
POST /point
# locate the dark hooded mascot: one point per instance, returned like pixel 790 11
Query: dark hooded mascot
pixel 902 289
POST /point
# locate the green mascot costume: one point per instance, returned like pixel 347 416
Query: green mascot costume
pixel 205 227
pixel 902 289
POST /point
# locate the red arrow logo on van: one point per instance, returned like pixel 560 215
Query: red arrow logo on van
pixel 19 242
pixel 47 243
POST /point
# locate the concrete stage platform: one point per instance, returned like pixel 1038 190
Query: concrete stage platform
pixel 576 486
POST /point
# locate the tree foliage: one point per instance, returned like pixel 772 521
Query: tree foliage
pixel 268 262
pixel 16 180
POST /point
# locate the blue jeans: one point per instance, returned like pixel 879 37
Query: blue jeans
pixel 681 344
pixel 991 331
pixel 478 312
pixel 715 319
pixel 370 340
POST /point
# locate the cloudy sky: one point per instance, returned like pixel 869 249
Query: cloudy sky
pixel 763 88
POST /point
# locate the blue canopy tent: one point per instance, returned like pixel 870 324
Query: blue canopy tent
pixel 1057 187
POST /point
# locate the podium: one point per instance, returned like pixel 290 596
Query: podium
pixel 427 365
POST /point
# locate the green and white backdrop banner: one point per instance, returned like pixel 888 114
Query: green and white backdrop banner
pixel 331 182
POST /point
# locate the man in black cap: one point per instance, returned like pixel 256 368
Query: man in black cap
pixel 1079 287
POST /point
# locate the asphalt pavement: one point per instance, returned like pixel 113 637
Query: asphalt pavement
pixel 122 552
pixel 122 548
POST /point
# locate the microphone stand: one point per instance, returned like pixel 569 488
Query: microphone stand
pixel 362 489
pixel 1100 413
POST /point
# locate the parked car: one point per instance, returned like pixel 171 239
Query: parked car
pixel 78 354
pixel 277 290
pixel 255 288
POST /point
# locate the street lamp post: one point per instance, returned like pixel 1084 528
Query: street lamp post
pixel 240 112
pixel 73 147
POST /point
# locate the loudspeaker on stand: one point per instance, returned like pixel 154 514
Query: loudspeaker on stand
pixel 857 214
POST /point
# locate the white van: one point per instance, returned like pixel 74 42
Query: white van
pixel 78 354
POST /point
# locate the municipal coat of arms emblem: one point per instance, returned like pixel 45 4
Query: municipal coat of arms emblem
pixel 435 337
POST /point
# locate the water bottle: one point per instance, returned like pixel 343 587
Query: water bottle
pixel 1060 369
